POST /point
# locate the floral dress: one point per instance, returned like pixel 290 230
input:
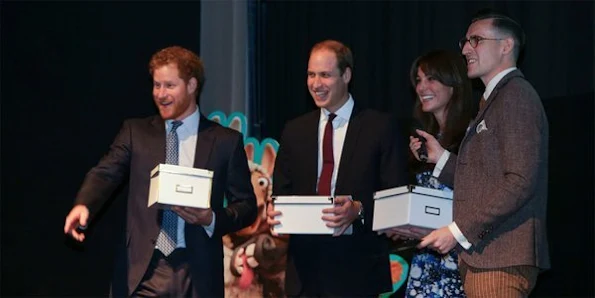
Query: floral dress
pixel 432 274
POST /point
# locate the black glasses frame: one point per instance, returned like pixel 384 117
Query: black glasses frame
pixel 474 40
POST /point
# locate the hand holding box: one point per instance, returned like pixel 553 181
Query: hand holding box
pixel 180 186
pixel 303 215
pixel 412 206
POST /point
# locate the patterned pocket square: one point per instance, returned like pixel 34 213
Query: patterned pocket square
pixel 481 126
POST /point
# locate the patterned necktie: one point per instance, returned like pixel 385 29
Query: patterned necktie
pixel 168 236
pixel 328 160
pixel 482 103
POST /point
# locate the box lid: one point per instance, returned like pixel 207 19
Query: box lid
pixel 431 192
pixel 313 200
pixel 391 192
pixel 414 189
pixel 175 169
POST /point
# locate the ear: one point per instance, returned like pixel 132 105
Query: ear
pixel 268 158
pixel 508 46
pixel 249 148
pixel 347 75
pixel 192 86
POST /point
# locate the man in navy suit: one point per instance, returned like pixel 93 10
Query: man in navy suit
pixel 366 157
pixel 194 266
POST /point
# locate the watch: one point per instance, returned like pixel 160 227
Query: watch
pixel 360 214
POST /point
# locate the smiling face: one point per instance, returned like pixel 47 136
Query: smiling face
pixel 328 87
pixel 490 56
pixel 433 95
pixel 174 98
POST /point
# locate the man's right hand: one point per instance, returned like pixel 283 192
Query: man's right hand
pixel 78 217
pixel 271 213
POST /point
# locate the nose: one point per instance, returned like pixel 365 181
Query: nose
pixel 316 82
pixel 421 86
pixel 160 93
pixel 466 48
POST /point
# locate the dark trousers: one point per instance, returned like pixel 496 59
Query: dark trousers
pixel 166 276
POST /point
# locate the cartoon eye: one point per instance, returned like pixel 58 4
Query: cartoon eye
pixel 262 181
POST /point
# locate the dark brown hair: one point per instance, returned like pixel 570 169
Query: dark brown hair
pixel 505 25
pixel 450 70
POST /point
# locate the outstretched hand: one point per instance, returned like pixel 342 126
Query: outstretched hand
pixel 76 222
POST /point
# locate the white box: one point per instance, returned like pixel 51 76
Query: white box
pixel 303 215
pixel 180 186
pixel 412 206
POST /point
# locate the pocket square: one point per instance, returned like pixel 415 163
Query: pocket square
pixel 481 126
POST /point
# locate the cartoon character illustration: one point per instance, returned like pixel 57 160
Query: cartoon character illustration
pixel 254 260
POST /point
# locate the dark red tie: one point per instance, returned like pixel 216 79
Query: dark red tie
pixel 328 161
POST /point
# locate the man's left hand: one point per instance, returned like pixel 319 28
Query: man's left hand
pixel 195 216
pixel 440 240
pixel 342 215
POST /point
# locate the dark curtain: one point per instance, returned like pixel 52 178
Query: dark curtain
pixel 256 58
pixel 386 36
pixel 71 73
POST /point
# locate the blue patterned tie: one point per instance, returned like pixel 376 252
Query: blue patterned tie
pixel 168 236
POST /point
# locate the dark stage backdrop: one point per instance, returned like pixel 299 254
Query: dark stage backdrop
pixel 386 36
pixel 71 72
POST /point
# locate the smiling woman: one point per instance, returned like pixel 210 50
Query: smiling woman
pixel 444 107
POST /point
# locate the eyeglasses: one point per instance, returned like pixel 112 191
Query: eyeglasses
pixel 474 40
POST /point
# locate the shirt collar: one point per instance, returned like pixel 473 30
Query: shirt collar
pixel 190 122
pixel 343 112
pixel 494 81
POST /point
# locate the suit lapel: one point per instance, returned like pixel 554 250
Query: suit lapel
pixel 204 142
pixel 490 100
pixel 310 145
pixel 157 141
pixel 156 146
pixel 349 146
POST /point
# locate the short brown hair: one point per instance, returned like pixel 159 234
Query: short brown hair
pixel 505 25
pixel 342 52
pixel 189 64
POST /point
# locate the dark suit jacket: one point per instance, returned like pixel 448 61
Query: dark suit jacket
pixel 500 181
pixel 138 148
pixel 349 265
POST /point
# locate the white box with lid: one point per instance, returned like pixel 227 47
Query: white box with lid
pixel 411 205
pixel 180 186
pixel 303 215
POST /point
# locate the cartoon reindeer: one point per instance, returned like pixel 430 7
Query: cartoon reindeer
pixel 254 259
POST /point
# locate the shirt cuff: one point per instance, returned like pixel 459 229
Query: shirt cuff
pixel 454 229
pixel 210 228
pixel 440 164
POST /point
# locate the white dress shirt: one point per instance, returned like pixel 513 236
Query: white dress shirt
pixel 187 137
pixel 340 124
